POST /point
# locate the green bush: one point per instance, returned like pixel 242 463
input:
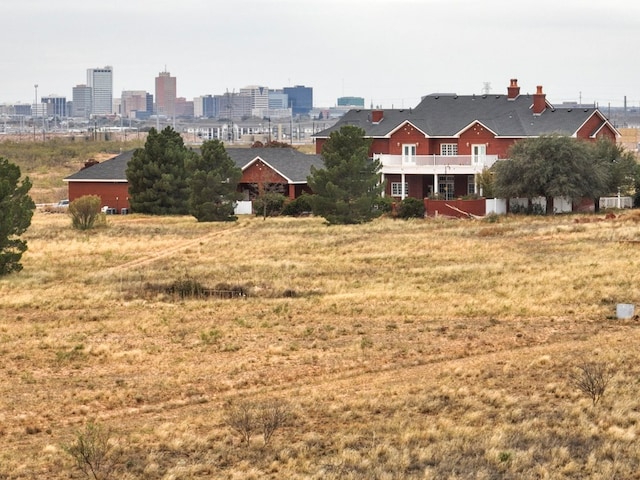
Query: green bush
pixel 297 207
pixel 269 204
pixel 85 211
pixel 384 204
pixel 411 208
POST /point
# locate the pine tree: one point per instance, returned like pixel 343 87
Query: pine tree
pixel 157 175
pixel 16 210
pixel 213 182
pixel 347 190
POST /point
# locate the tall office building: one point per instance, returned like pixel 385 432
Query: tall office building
pixel 203 107
pixel 100 80
pixel 81 101
pixel 259 99
pixel 166 94
pixel 133 101
pixel 232 106
pixel 351 102
pixel 278 100
pixel 56 106
pixel 300 99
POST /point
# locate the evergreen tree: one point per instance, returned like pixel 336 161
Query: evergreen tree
pixel 347 190
pixel 157 175
pixel 16 210
pixel 213 182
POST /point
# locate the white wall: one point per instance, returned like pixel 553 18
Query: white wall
pixel 244 207
pixel 495 205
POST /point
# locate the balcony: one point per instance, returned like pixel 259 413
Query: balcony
pixel 435 164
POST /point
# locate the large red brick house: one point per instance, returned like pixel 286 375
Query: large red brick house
pixel 285 168
pixel 440 146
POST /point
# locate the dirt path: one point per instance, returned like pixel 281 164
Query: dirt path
pixel 155 256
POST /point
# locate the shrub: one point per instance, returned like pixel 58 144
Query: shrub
pixel 592 379
pixel 84 212
pixel 186 287
pixel 384 204
pixel 247 418
pixel 297 207
pixel 491 218
pixel 94 453
pixel 411 208
pixel 269 204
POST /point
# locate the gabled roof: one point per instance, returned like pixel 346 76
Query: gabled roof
pixel 407 122
pixel 447 115
pixel 290 163
pixel 392 120
pixel 112 170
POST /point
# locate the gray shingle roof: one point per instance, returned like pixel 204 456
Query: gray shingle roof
pixel 113 170
pixel 290 163
pixel 448 115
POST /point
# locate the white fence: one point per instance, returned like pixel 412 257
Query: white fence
pixel 244 207
pixel 497 206
pixel 616 202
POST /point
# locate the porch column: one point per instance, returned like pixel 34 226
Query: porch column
pixel 402 186
pixel 435 183
pixel 292 191
pixel 383 194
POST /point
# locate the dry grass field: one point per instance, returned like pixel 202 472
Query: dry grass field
pixel 435 349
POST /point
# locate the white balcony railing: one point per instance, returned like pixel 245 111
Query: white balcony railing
pixel 479 162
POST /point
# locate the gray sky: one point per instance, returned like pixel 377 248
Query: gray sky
pixel 391 52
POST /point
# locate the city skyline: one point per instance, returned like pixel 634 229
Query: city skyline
pixel 390 52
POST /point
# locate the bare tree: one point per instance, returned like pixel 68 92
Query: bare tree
pixel 241 418
pixel 592 379
pixel 247 418
pixel 94 452
pixel 273 415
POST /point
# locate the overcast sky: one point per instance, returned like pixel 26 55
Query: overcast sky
pixel 391 52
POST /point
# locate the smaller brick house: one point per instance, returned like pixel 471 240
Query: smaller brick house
pixel 286 169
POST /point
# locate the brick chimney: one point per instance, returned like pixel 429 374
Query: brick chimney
pixel 539 102
pixel 377 116
pixel 513 90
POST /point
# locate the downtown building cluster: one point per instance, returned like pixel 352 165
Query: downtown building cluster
pixel 95 99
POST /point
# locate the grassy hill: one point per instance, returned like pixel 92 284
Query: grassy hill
pixel 421 349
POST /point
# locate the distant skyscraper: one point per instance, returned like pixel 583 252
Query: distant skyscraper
pixel 232 106
pixel 81 105
pixel 56 106
pixel 300 99
pixel 203 107
pixel 133 101
pixel 351 102
pixel 166 94
pixel 100 80
pixel 278 100
pixel 259 99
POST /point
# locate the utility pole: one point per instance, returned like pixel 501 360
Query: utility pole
pixel 33 114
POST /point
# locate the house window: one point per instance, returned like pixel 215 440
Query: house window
pixel 449 149
pixel 471 184
pixel 396 189
pixel 446 186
